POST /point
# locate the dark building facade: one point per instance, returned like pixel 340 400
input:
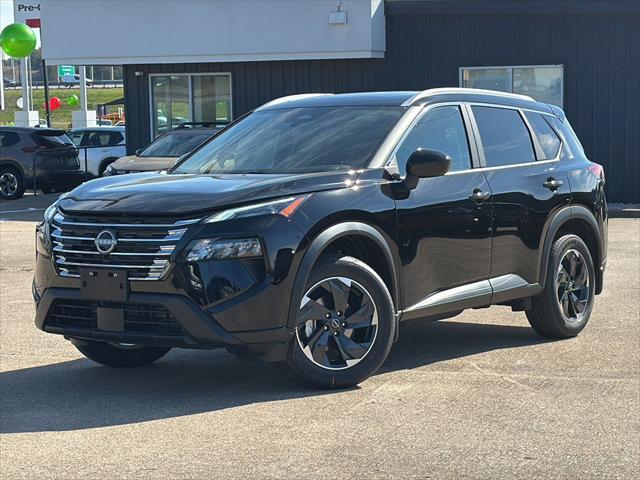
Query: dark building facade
pixel 590 49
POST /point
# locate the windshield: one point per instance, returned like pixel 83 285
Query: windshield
pixel 176 144
pixel 313 139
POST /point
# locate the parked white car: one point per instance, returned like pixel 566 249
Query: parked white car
pixel 101 145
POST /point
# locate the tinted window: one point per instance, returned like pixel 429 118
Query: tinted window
pixel 116 138
pixel 505 137
pixel 175 145
pixel 8 139
pixel 76 138
pixel 311 139
pixel 571 146
pixel 50 141
pixel 439 129
pixel 98 139
pixel 548 139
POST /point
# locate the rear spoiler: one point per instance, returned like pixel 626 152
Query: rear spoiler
pixel 49 132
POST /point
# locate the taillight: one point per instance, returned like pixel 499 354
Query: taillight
pixel 30 149
pixel 597 170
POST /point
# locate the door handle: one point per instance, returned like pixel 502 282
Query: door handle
pixel 552 183
pixel 479 195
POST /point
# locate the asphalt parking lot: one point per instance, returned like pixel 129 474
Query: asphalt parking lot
pixel 478 396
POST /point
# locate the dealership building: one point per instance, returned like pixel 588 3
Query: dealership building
pixel 212 61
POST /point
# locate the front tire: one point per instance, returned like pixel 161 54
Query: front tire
pixel 119 356
pixel 563 309
pixel 344 327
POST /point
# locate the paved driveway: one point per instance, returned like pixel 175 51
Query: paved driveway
pixel 478 396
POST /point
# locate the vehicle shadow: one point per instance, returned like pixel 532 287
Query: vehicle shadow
pixel 79 394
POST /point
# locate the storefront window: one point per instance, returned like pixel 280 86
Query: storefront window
pixel 543 83
pixel 177 99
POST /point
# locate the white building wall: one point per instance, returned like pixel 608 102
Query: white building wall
pixel 108 32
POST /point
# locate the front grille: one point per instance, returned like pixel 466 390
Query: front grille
pixel 143 246
pixel 138 317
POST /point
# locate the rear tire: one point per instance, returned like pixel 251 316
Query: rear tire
pixel 11 183
pixel 119 356
pixel 563 309
pixel 344 328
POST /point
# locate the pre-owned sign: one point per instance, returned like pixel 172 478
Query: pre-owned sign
pixel 27 11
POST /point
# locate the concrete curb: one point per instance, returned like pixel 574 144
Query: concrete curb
pixel 624 213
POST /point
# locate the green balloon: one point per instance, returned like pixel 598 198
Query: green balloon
pixel 72 100
pixel 17 40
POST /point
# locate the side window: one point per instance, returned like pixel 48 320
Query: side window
pixel 442 129
pixel 548 139
pixel 8 139
pixel 76 138
pixel 505 137
pixel 98 139
pixel 116 138
pixel 571 146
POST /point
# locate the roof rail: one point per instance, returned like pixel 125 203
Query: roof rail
pixel 476 91
pixel 289 98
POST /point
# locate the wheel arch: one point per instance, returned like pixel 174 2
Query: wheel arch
pixel 8 162
pixel 104 163
pixel 577 220
pixel 359 237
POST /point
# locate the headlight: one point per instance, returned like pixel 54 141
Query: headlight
pixel 284 206
pixel 50 212
pixel 225 249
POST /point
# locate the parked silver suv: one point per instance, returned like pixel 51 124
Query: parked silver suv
pixel 98 147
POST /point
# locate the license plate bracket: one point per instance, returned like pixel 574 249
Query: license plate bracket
pixel 107 285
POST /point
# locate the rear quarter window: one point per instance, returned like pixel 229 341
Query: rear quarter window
pixel 548 139
pixel 571 146
pixel 49 141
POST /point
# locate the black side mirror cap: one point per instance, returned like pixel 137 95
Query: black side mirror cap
pixel 424 163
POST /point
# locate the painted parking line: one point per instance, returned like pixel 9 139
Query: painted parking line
pixel 22 211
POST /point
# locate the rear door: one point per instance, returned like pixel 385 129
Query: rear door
pixel 519 153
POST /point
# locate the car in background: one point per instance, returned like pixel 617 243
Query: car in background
pixel 9 83
pixel 100 146
pixel 70 80
pixel 164 151
pixel 43 157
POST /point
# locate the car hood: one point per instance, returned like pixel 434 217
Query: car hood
pixel 162 193
pixel 144 164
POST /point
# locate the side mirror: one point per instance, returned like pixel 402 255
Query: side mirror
pixel 425 163
pixel 138 152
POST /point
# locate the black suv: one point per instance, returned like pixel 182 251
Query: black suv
pixel 40 157
pixel 304 232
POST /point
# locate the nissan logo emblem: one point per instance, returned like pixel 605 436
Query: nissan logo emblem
pixel 106 241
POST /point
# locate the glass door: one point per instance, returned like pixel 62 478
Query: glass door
pixel 169 102
pixel 176 99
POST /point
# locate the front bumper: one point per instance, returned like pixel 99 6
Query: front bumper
pixel 198 330
pixel 238 304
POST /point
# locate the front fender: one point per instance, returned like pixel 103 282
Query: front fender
pixel 318 245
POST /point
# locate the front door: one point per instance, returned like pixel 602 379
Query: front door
pixel 444 223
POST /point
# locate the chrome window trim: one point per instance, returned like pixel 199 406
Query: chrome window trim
pixel 392 160
pixel 531 134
